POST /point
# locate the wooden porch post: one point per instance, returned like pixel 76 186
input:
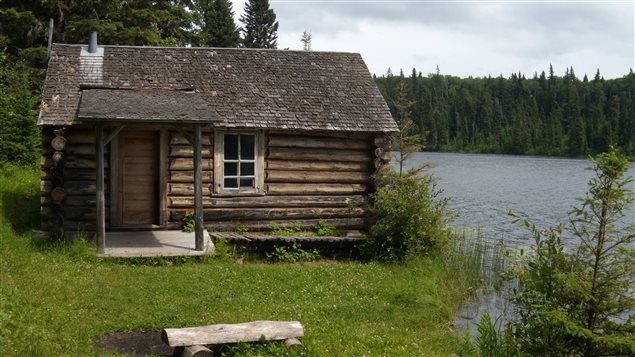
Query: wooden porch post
pixel 101 209
pixel 198 189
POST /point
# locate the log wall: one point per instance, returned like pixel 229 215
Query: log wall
pixel 68 181
pixel 308 177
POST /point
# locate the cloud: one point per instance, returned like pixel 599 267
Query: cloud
pixel 467 38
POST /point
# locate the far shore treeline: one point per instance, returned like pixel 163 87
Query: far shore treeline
pixel 543 115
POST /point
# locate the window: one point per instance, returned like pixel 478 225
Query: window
pixel 237 163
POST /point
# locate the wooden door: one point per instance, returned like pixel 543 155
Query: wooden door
pixel 139 177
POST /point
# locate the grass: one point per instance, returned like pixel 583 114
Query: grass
pixel 56 298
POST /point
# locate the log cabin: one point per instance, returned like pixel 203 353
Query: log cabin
pixel 134 138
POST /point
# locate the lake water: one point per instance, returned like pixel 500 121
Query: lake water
pixel 483 188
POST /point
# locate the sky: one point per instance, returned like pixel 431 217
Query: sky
pixel 467 37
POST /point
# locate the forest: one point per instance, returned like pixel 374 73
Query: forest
pixel 545 115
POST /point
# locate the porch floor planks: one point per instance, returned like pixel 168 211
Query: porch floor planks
pixel 153 244
pixel 246 237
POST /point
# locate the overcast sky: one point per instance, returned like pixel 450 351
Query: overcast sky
pixel 467 38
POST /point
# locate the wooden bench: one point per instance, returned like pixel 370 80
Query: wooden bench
pixel 191 341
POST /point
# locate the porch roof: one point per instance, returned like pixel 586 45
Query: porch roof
pixel 145 106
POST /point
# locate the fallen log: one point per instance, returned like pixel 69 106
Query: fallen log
pixel 232 333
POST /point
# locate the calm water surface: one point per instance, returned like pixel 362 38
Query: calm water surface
pixel 483 188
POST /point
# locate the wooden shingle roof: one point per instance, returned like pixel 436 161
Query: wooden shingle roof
pixel 245 88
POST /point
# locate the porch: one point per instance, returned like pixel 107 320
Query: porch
pixel 131 244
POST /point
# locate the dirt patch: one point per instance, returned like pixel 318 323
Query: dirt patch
pixel 136 343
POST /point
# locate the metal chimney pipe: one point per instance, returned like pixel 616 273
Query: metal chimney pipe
pixel 92 43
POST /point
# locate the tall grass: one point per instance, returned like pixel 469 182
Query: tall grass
pixel 479 267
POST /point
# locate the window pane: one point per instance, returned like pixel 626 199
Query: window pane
pixel 246 169
pixel 246 182
pixel 231 183
pixel 247 147
pixel 231 147
pixel 231 169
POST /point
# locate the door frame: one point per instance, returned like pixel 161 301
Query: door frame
pixel 115 172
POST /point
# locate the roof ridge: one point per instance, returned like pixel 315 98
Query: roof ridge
pixel 208 48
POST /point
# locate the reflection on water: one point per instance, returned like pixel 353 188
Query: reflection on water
pixel 483 188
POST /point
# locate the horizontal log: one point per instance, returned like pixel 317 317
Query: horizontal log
pixel 381 141
pixel 379 152
pixel 186 189
pixel 84 200
pixel 270 201
pixel 188 151
pixel 72 174
pixel 232 333
pixel 228 214
pixel 57 158
pixel 58 194
pixel 316 142
pixel 59 143
pixel 82 149
pixel 188 164
pixel 312 188
pixel 75 213
pixel 316 166
pixel 316 176
pixel 188 176
pixel 77 134
pixel 76 226
pixel 318 154
pixel 73 188
pixel 343 223
pixel 322 133
pixel 177 138
pixel 72 162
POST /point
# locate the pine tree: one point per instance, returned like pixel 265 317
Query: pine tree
pixel 406 141
pixel 218 28
pixel 577 135
pixel 260 26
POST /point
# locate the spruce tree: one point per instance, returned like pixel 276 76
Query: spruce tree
pixel 260 26
pixel 218 28
pixel 407 140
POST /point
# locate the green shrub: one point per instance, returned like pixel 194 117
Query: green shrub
pixel 292 254
pixel 323 229
pixel 274 229
pixel 407 217
pixel 189 222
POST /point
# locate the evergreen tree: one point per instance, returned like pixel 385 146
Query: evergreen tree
pixel 406 141
pixel 573 304
pixel 260 26
pixel 216 20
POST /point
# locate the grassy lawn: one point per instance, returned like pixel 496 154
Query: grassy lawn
pixel 56 298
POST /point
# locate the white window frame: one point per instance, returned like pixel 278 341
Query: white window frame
pixel 219 164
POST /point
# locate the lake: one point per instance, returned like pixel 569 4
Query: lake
pixel 483 188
